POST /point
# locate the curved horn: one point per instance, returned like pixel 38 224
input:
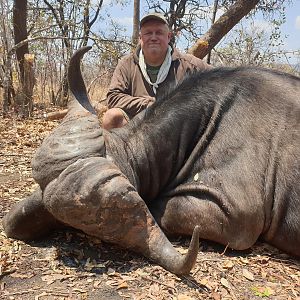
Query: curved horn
pixel 76 82
pixel 163 253
pixel 94 196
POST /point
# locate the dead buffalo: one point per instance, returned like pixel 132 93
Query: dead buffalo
pixel 218 156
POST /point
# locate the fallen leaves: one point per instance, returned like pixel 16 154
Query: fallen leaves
pixel 74 266
pixel 9 254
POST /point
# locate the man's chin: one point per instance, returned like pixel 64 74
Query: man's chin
pixel 154 50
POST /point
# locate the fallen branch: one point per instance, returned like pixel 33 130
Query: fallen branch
pixel 56 115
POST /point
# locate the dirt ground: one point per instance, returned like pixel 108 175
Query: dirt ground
pixel 71 265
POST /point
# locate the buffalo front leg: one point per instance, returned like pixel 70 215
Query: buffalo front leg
pixel 29 219
pixel 220 219
pixel 94 196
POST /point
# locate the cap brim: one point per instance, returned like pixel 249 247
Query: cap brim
pixel 156 18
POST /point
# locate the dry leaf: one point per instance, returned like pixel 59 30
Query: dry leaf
pixel 248 275
pixel 128 278
pixel 97 283
pixel 263 274
pixel 204 281
pixel 184 297
pixel 225 283
pixel 22 276
pixel 182 250
pixel 244 260
pixel 111 272
pixel 216 296
pixel 112 282
pixel 122 285
pixel 228 264
pixel 79 290
pixel 154 289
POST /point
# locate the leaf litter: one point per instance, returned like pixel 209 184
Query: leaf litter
pixel 70 265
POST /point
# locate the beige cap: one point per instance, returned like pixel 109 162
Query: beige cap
pixel 153 16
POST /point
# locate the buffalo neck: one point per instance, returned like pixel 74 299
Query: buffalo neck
pixel 152 150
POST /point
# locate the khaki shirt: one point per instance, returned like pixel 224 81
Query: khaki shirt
pixel 132 93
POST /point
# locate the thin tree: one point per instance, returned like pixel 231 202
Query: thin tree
pixel 136 22
pixel 25 61
pixel 6 37
pixel 75 32
pixel 213 19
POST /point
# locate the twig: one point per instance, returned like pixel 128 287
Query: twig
pixel 20 292
pixel 203 288
pixel 23 154
pixel 50 292
pixel 157 281
pixel 225 249
pixel 210 259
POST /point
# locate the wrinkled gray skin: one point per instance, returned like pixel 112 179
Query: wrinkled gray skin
pixel 218 156
pixel 80 188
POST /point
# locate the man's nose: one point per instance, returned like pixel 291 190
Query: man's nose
pixel 153 36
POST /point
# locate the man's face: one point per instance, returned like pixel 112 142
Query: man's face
pixel 154 39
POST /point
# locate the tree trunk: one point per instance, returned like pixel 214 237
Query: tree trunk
pixel 222 26
pixel 24 96
pixel 136 22
pixel 5 69
pixel 65 91
pixel 23 99
pixel 7 83
pixel 213 19
pixel 20 31
pixel 28 85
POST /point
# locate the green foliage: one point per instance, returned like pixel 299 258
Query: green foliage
pixel 262 292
